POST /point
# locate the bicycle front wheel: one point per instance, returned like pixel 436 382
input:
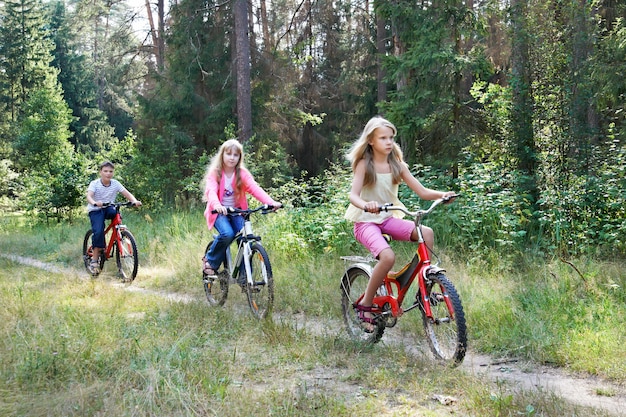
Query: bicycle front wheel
pixel 216 289
pixel 353 285
pixel 446 332
pixel 88 252
pixel 126 257
pixel 260 286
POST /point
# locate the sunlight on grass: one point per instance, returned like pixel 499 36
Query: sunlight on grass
pixel 156 347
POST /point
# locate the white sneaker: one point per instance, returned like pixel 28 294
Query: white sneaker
pixel 94 268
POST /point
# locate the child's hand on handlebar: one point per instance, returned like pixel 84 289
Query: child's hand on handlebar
pixel 372 207
pixel 449 196
pixel 220 209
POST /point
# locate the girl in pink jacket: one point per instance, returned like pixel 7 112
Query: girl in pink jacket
pixel 227 183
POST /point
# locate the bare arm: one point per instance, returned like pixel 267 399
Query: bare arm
pixel 91 200
pixel 130 197
pixel 421 191
pixel 357 186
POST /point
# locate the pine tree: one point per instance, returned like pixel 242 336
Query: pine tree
pixel 25 53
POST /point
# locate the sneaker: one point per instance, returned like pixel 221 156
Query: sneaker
pixel 94 268
pixel 207 271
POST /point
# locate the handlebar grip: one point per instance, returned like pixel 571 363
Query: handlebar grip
pixel 450 197
pixel 228 210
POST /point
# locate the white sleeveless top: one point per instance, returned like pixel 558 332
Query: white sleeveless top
pixel 384 191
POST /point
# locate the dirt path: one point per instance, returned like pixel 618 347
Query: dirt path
pixel 585 391
pixel 581 390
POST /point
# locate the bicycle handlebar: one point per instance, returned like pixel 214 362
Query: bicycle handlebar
pixel 418 213
pixel 117 204
pixel 265 208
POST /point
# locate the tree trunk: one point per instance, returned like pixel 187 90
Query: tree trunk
pixel 522 106
pixel 583 119
pixel 267 40
pixel 381 50
pixel 242 63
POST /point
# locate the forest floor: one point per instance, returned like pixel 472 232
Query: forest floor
pixel 584 390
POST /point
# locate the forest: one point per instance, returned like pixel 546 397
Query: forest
pixel 518 105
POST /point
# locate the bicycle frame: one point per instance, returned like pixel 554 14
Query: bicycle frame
pixel 119 236
pixel 115 227
pixel 439 303
pixel 243 237
pixel 251 261
pixel 399 282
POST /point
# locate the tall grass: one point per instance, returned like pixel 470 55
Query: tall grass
pixel 72 345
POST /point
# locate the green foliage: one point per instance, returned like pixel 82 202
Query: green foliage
pixel 588 215
pixel 158 171
pixel 317 208
pixel 52 174
pixel 26 54
pixel 194 98
pixel 495 110
pixel 266 160
pixel 77 78
pixel 432 113
pixel 8 186
pixel 608 81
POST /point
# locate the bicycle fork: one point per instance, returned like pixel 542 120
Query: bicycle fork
pixel 426 300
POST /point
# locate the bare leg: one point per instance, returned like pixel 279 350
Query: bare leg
pixel 429 237
pixel 386 259
pixel 94 266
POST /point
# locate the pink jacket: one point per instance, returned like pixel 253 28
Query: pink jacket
pixel 213 193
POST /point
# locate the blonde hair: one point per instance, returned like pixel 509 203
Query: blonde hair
pixel 361 149
pixel 216 166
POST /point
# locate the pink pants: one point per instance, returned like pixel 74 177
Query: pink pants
pixel 370 234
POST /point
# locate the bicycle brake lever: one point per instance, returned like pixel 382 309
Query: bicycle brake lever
pixel 384 207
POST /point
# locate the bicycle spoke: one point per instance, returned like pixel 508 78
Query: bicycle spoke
pixel 216 289
pixel 260 290
pixel 353 285
pixel 126 256
pixel 445 331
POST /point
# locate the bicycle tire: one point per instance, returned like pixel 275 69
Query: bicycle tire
pixel 353 285
pixel 446 335
pixel 260 291
pixel 88 252
pixel 126 257
pixel 216 289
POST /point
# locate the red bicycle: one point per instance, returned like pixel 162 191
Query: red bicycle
pixel 121 242
pixel 436 298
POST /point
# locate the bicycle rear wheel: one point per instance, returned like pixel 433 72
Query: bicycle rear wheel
pixel 353 285
pixel 216 289
pixel 88 252
pixel 126 257
pixel 446 331
pixel 260 288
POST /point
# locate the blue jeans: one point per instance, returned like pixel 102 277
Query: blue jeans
pixel 227 227
pixel 97 218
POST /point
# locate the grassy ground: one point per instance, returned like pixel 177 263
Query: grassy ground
pixel 71 345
